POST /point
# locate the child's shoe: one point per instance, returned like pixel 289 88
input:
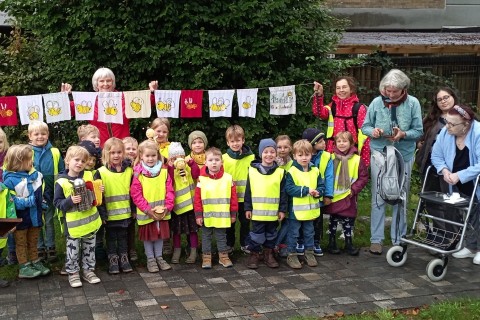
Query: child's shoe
pixel 253 259
pixel 293 262
pixel 177 252
pixel 349 248
pixel 12 258
pixel 300 249
pixel 113 267
pixel 37 264
pixel 269 259
pixel 90 277
pixel 310 258
pixel 163 264
pixel 206 261
pixel 152 265
pixel 51 254
pixel 63 271
pixel 74 280
pixel 125 264
pixel 224 260
pixel 133 255
pixel 27 271
pixel 192 257
pixel 42 254
pixel 317 250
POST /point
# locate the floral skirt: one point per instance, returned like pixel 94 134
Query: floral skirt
pixel 183 223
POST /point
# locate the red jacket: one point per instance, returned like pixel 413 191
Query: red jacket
pixel 197 201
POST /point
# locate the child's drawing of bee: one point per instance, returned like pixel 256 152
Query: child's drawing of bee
pixel 165 105
pixel 33 112
pixel 53 108
pixel 84 107
pixel 189 103
pixel 110 108
pixel 136 104
pixel 247 104
pixel 219 104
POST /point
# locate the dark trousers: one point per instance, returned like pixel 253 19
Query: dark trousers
pixel 244 228
pixel 131 236
pixel 263 233
pixel 100 236
pixel 117 240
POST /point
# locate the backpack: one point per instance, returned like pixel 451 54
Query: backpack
pixel 391 177
pixel 356 107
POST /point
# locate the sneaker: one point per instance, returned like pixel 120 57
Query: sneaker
pixel 317 251
pixel 51 254
pixel 163 264
pixel 133 255
pixel 40 267
pixel 464 253
pixel 90 277
pixel 245 249
pixel 310 258
pixel 152 265
pixel 476 259
pixel 300 249
pixel 376 248
pixel 125 264
pixel 27 271
pixel 113 267
pixel 63 271
pixel 42 254
pixel 74 280
pixel 293 262
pixel 12 258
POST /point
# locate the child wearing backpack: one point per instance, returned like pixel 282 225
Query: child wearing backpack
pixel 351 176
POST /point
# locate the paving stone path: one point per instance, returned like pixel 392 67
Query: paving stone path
pixel 339 284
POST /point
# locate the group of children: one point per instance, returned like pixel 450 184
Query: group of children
pixel 104 193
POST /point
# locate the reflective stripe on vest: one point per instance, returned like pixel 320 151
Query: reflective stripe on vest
pixel 154 191
pixel 308 207
pixel 238 168
pixel 184 191
pixel 117 193
pixel 360 136
pixel 80 223
pixel 353 164
pixel 265 191
pixel 216 195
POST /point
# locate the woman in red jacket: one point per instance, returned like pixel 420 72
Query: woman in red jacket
pixel 344 113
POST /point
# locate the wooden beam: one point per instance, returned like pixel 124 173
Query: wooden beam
pixel 407 49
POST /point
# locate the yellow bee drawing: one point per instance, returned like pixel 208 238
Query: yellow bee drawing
pixel 53 108
pixel 84 107
pixel 247 104
pixel 290 93
pixel 137 104
pixel 33 113
pixel 219 104
pixel 165 105
pixel 189 104
pixel 110 108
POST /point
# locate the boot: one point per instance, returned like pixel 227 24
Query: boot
pixel 252 262
pixel 349 248
pixel 207 261
pixel 224 260
pixel 269 258
pixel 125 264
pixel 310 258
pixel 113 267
pixel 192 257
pixel 176 255
pixel 292 261
pixel 332 244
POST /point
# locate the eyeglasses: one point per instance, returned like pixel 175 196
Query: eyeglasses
pixel 444 98
pixel 449 124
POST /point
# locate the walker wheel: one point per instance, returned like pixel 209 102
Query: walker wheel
pixel 396 257
pixel 436 270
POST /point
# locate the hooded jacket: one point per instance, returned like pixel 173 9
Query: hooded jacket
pixel 28 196
pixel 43 162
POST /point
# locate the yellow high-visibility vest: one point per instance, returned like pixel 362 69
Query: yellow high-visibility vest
pixel 184 191
pixel 265 191
pixel 117 193
pixel 154 191
pixel 353 164
pixel 330 125
pixel 305 208
pixel 216 195
pixel 238 168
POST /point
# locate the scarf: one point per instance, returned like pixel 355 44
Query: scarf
pixel 388 103
pixel 343 178
pixel 198 158
pixel 281 161
pixel 152 171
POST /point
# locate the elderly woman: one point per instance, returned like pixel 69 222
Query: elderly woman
pixel 456 156
pixel 344 113
pixel 393 118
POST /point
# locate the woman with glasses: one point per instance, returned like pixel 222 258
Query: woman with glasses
pixel 456 156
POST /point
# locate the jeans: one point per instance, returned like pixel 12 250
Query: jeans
pixel 73 252
pixel 264 233
pixel 117 241
pixel 377 222
pixel 244 228
pixel 294 227
pixel 11 242
pixel 472 234
pixel 46 240
pixel 220 236
pixel 318 231
pixel 282 232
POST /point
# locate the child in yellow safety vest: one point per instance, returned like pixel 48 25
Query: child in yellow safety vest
pixel 185 175
pixel 266 203
pixel 116 210
pixel 153 194
pixel 216 207
pixel 351 176
pixel 305 187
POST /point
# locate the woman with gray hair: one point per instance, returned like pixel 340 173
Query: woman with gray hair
pixel 393 118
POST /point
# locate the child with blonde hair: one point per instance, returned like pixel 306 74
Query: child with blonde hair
pixel 25 183
pixel 153 194
pixel 161 127
pixel 116 210
pixel 89 132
